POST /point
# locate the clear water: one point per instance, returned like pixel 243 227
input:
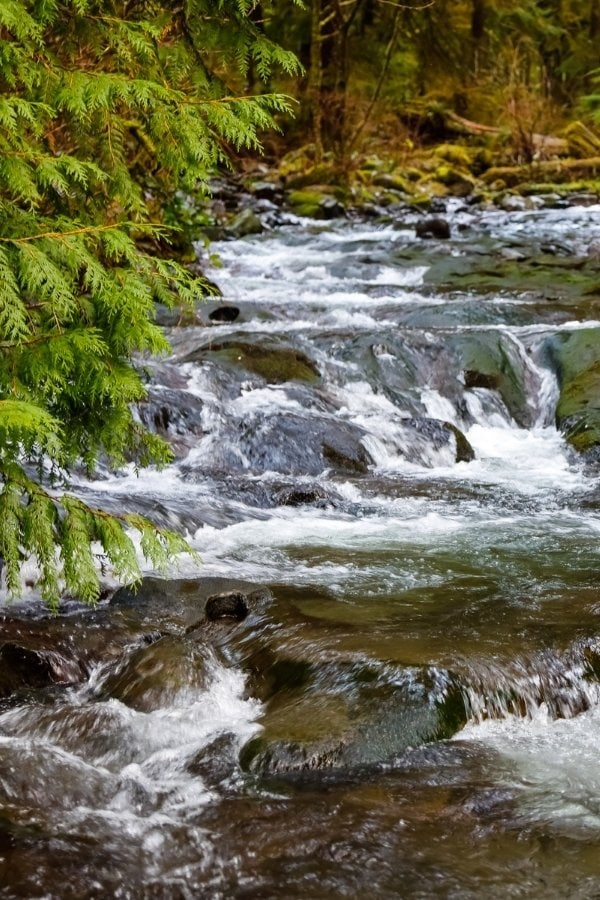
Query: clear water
pixel 416 581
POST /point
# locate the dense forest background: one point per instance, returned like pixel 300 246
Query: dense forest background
pixel 386 75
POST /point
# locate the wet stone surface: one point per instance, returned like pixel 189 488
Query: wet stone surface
pixel 383 680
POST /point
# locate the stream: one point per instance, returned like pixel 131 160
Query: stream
pixel 409 703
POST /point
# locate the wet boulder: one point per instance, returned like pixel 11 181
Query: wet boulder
pixel 434 227
pixel 228 608
pixel 288 443
pixel 216 762
pixel 293 444
pixel 351 714
pixel 426 441
pixel 576 358
pixel 23 667
pixel 151 676
pixel 175 603
pixel 426 434
pixel 474 379
pixel 50 779
pixel 231 605
pixel 275 363
pixel 224 314
pixel 174 414
pixel 302 495
pixel 494 362
pixel 464 450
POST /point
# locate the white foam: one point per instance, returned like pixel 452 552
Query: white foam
pixel 154 748
pixel 437 406
pixel 529 461
pixel 406 277
pixel 551 764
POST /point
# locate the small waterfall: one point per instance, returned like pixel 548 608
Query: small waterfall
pixel 560 685
pixel 548 392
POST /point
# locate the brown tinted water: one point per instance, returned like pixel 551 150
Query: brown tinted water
pixel 411 708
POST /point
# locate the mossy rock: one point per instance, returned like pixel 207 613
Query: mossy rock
pixel 427 189
pixel 315 204
pixel 376 164
pixel 275 364
pixel 482 160
pixel 563 190
pixel 489 361
pixel 362 195
pixel 324 173
pixel 412 174
pixel 298 160
pixel 577 360
pixel 458 182
pixel 455 154
pixel 245 223
pixel 393 182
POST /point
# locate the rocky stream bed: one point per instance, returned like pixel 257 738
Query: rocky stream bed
pixel 384 678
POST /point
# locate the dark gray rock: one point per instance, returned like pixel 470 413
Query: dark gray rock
pixel 23 667
pixel 175 415
pixel 301 495
pixel 216 762
pixel 232 605
pixel 224 314
pixel 474 379
pixel 287 443
pixel 266 190
pixel 435 434
pixel 433 228
pixel 295 445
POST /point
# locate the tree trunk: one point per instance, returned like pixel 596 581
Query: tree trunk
pixel 477 35
pixel 315 79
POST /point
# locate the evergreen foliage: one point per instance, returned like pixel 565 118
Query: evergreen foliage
pixel 106 109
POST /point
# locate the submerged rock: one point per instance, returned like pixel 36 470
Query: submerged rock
pixel 349 715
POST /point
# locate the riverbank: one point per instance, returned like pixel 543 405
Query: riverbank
pixel 422 179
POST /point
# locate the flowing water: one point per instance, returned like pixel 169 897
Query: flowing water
pixel 412 706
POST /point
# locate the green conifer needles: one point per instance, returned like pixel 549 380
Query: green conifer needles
pixel 106 109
